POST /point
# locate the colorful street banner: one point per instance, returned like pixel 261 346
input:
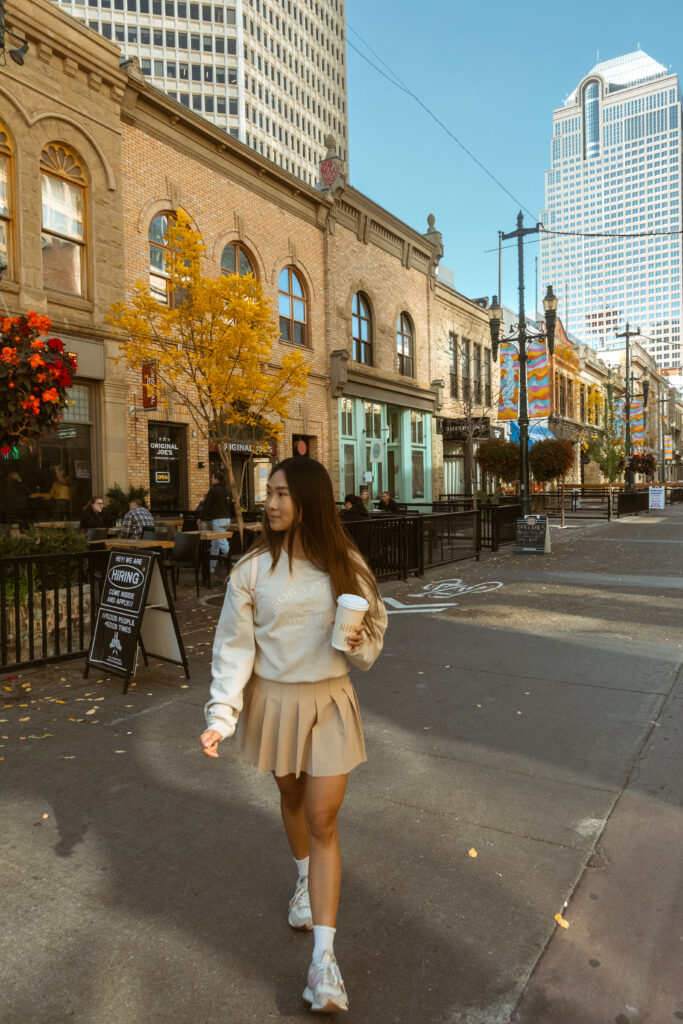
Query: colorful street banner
pixel 538 379
pixel 668 446
pixel 619 419
pixel 509 383
pixel 637 424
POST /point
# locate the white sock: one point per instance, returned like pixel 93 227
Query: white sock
pixel 324 941
pixel 302 867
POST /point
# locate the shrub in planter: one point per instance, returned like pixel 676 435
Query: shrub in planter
pixel 118 500
pixel 551 459
pixel 499 458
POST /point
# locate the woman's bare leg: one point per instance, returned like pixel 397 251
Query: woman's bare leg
pixel 292 810
pixel 323 796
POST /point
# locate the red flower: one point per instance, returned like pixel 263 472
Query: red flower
pixel 51 395
pixel 56 345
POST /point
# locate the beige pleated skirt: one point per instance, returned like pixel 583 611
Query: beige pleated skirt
pixel 290 728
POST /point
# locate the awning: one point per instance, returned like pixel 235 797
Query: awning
pixel 537 432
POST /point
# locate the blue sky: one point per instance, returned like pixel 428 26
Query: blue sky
pixel 492 72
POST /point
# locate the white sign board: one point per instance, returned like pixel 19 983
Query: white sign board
pixel 657 497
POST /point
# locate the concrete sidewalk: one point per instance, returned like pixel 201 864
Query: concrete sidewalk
pixel 535 723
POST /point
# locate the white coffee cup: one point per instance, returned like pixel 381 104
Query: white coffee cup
pixel 351 611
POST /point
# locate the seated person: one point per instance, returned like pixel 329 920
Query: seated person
pixel 387 504
pixel 139 518
pixel 364 494
pixel 354 509
pixel 95 516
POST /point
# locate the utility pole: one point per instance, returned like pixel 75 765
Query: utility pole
pixel 628 334
pixel 522 343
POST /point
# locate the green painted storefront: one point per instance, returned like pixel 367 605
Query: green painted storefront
pixel 405 467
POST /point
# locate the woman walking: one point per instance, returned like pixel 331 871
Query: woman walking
pixel 273 661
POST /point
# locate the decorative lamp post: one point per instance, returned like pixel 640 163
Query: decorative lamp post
pixel 520 336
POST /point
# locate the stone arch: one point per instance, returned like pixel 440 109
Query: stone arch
pixel 230 238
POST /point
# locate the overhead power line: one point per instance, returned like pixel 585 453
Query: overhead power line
pixel 394 79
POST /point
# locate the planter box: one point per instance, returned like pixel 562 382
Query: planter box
pixel 51 619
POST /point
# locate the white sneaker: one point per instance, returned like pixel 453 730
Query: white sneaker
pixel 300 906
pixel 325 989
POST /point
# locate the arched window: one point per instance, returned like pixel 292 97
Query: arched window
pixel 5 204
pixel 236 260
pixel 292 307
pixel 404 345
pixel 361 321
pixel 63 224
pixel 158 244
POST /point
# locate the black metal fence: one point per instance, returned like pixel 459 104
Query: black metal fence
pixel 47 604
pixel 498 524
pixel 630 503
pixel 400 546
pixel 675 494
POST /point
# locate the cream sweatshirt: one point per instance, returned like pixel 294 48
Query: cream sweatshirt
pixel 286 638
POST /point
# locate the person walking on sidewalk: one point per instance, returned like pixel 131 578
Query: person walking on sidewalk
pixel 216 508
pixel 273 662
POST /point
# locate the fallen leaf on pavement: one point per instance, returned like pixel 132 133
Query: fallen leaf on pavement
pixel 44 816
pixel 93 711
pixel 472 853
pixel 561 921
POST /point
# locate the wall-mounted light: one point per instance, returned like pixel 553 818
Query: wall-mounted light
pixel 17 53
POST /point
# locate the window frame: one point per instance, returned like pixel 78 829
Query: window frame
pixel 240 250
pixel 7 154
pixel 406 360
pixel 361 313
pixel 292 297
pixel 60 163
pixel 170 217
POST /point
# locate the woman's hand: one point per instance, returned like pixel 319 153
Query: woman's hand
pixel 354 640
pixel 209 741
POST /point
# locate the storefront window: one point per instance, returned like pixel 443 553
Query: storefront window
pixel 347 417
pixel 52 481
pixel 349 469
pixel 416 428
pixel 167 467
pixel 418 467
pixel 373 419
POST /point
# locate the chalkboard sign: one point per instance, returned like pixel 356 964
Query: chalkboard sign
pixel 135 611
pixel 532 535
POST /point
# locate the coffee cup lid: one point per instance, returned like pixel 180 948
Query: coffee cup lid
pixel 353 601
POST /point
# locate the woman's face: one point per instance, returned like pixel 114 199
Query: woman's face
pixel 348 506
pixel 98 505
pixel 279 505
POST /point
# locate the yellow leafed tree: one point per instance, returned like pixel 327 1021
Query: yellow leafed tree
pixel 211 344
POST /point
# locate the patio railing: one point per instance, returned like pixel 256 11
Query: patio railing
pixel 47 605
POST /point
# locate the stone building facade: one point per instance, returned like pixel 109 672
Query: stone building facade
pixel 60 164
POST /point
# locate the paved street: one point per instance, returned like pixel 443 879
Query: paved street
pixel 524 751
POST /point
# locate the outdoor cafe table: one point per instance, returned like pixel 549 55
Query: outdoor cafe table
pixel 133 542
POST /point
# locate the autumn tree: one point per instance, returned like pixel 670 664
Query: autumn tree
pixel 604 443
pixel 211 344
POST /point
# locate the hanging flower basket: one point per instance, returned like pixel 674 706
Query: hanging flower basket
pixel 644 462
pixel 35 373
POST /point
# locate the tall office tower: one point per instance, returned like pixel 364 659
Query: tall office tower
pixel 272 74
pixel 613 194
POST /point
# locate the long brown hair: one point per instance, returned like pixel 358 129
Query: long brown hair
pixel 326 543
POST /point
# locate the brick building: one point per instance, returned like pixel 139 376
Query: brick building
pixel 61 241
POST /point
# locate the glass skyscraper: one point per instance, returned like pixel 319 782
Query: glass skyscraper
pixel 613 195
pixel 272 73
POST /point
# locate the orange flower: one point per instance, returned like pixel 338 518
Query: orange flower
pixel 36 360
pixel 39 322
pixel 51 395
pixel 38 344
pixel 9 355
pixel 31 404
pixel 7 323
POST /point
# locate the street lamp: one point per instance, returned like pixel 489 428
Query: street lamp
pixel 17 53
pixel 520 336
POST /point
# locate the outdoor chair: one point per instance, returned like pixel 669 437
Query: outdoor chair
pixel 97 533
pixel 190 521
pixel 184 555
